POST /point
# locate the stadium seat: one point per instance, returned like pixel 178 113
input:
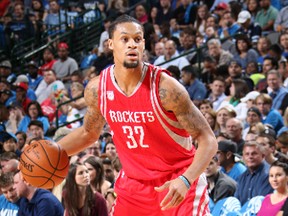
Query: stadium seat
pixel 226 205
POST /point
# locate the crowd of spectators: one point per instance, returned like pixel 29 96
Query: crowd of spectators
pixel 231 56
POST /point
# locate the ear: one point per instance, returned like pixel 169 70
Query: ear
pixel 229 155
pixel 110 44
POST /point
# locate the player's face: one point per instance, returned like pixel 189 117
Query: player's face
pixel 127 44
pixel 82 176
pixel 10 193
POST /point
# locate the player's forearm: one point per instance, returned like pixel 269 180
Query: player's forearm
pixel 77 141
pixel 207 148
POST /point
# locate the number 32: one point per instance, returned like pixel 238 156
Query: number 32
pixel 131 131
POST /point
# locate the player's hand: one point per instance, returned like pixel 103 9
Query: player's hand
pixel 176 194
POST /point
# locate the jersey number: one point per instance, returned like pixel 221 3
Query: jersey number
pixel 131 132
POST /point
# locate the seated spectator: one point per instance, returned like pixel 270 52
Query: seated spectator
pixel 96 171
pixel 238 90
pixel 36 201
pixel 254 181
pixel 249 99
pixel 48 59
pixel 245 52
pixel 217 95
pixel 281 21
pixel 285 119
pixel 205 106
pixel 266 16
pixel 229 26
pixel 108 170
pixel 170 53
pixel 9 162
pixel 65 65
pixel 110 150
pixel 35 131
pixel 234 128
pixel 9 200
pixel 9 142
pixel 268 144
pixel 34 112
pixel 87 202
pixel 282 142
pixel 223 114
pixel 210 116
pixel 269 116
pixel 30 92
pixel 253 117
pixel 227 151
pixel 33 76
pixel 263 45
pixel 279 93
pixel 219 184
pixel 21 95
pixel 283 40
pixel 49 85
pixel 248 27
pixel 21 139
pixel 105 59
pixel 15 115
pixel 196 89
pixel 278 180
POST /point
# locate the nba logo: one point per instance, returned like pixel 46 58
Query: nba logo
pixel 110 95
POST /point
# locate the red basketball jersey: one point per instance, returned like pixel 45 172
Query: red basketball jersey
pixel 149 140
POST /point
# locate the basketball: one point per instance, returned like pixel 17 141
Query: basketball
pixel 44 164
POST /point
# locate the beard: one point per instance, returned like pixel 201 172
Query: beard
pixel 131 64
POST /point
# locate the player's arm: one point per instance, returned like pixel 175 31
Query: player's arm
pixel 174 98
pixel 84 136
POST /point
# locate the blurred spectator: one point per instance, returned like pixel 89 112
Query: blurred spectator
pixel 196 89
pixel 6 97
pixel 266 16
pixel 201 16
pixel 253 6
pixel 116 8
pixel 86 202
pixel 36 201
pixel 185 14
pixel 94 149
pixel 278 180
pixel 170 53
pixel 217 95
pixel 21 92
pixel 6 71
pixel 276 51
pixel 9 142
pixel 263 45
pixel 254 181
pixel 279 93
pixel 282 142
pixel 108 170
pixel 189 43
pixel 234 128
pixel 54 21
pixel 285 119
pixel 4 117
pixel 9 198
pixel 283 40
pixel 33 76
pixel 281 21
pixel 21 137
pixel 227 151
pixel 110 150
pixel 105 59
pixel 141 13
pixel 159 49
pixel 30 92
pixel 270 116
pixel 249 99
pixel 223 114
pixel 48 58
pixel 49 85
pixel 219 184
pixel 65 65
pixel 248 27
pixel 20 28
pixel 104 35
pixel 229 26
pixel 16 114
pixel 205 106
pixel 96 171
pixel 253 116
pixel 164 12
pixel 210 116
pixel 34 112
pixel 35 131
pixel 245 52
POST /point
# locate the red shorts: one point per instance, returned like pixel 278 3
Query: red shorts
pixel 139 198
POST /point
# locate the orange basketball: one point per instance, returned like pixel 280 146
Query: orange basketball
pixel 44 164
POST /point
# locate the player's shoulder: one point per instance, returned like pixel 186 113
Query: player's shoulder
pixel 91 90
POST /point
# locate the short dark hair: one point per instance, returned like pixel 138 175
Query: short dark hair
pixel 190 69
pixel 282 164
pixel 122 19
pixel 36 123
pixel 273 61
pixel 6 179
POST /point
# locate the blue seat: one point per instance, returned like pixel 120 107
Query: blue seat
pixel 226 205
pixel 251 207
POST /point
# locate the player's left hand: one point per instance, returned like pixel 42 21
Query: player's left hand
pixel 176 194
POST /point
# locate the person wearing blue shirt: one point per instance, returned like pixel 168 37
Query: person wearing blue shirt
pixel 33 77
pixel 229 26
pixel 226 156
pixel 36 201
pixel 196 89
pixel 9 200
pixel 254 181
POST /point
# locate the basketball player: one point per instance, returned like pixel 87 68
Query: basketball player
pixel 153 122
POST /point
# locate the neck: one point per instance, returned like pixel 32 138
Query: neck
pixel 211 179
pixel 270 158
pixel 228 167
pixel 127 78
pixel 31 191
pixel 282 192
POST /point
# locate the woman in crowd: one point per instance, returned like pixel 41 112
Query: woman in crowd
pixel 222 115
pixel 210 116
pixel 244 50
pixel 263 45
pixel 110 150
pixel 253 7
pixel 202 15
pixel 79 198
pixel 97 178
pixel 34 112
pixel 278 179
